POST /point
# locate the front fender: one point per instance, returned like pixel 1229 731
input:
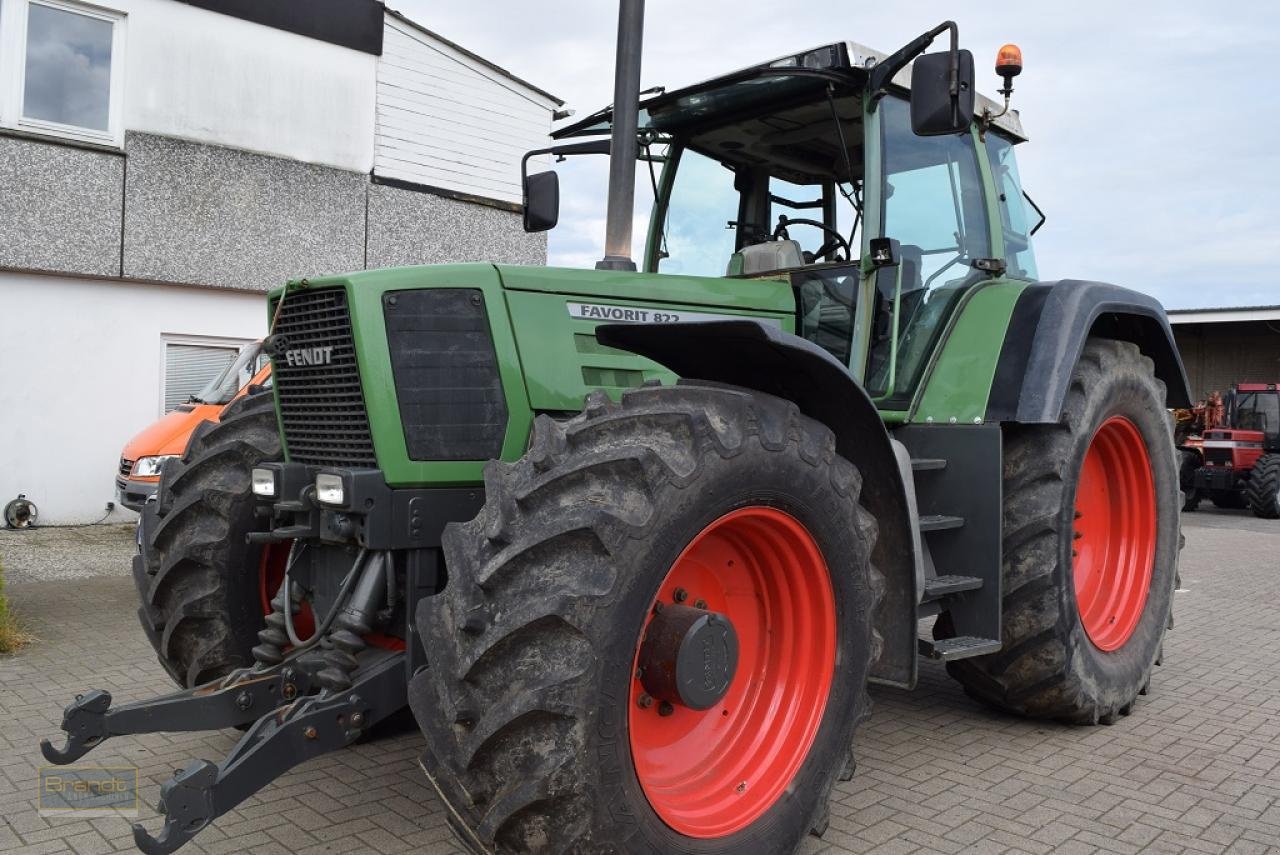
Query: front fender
pixel 1047 334
pixel 756 355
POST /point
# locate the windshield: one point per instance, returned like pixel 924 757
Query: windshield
pixel 221 389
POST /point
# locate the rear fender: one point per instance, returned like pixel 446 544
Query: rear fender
pixel 1047 334
pixel 756 355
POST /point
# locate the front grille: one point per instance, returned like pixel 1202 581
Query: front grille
pixel 1217 456
pixel 322 409
pixel 446 373
pixel 126 466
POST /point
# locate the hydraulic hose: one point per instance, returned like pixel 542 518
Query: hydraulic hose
pixel 348 584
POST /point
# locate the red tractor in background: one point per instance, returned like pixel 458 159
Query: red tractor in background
pixel 1230 447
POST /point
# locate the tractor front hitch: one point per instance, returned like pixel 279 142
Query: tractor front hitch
pixel 242 697
pixel 290 735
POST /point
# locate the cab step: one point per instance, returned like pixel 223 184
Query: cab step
pixel 944 586
pixel 940 522
pixel 960 647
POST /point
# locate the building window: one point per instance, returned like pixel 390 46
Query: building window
pixel 191 365
pixel 64 69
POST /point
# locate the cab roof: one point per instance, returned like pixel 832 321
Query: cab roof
pixel 789 79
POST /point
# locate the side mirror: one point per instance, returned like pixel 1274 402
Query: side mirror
pixel 934 110
pixel 541 201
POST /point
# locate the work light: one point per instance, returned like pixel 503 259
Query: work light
pixel 264 483
pixel 329 489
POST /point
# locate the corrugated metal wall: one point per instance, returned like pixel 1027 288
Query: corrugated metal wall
pixel 1217 355
pixel 446 120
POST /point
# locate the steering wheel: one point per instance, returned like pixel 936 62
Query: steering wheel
pixel 836 241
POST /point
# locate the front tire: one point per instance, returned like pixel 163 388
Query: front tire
pixel 1264 487
pixel 1189 464
pixel 199 581
pixel 1090 548
pixel 541 734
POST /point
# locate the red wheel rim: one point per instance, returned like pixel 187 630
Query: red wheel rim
pixel 1115 533
pixel 713 772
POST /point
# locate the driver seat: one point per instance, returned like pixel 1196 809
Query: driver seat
pixel 766 258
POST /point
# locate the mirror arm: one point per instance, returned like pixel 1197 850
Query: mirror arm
pixel 883 72
pixel 560 151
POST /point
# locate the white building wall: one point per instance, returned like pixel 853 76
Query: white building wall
pixel 447 120
pixel 83 370
pixel 212 78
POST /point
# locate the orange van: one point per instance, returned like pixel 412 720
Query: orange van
pixel 145 454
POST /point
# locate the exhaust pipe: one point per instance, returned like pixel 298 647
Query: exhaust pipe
pixel 625 146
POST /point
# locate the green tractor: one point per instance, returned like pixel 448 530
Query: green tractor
pixel 632 543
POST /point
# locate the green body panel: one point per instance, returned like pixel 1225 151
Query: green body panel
pixel 548 360
pixel 958 382
pixel 571 362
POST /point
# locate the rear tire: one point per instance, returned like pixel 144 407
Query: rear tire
pixel 1051 666
pixel 197 577
pixel 1264 487
pixel 528 702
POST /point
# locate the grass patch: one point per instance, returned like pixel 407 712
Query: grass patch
pixel 12 636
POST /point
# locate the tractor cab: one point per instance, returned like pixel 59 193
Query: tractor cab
pixel 813 170
pixel 1256 407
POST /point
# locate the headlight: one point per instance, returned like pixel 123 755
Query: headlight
pixel 264 483
pixel 149 466
pixel 329 489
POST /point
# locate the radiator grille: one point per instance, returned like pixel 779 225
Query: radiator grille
pixel 126 466
pixel 322 409
pixel 446 374
pixel 1217 456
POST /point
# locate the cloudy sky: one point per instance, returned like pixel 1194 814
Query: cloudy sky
pixel 1155 127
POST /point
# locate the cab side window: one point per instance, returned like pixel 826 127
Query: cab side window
pixel 1019 260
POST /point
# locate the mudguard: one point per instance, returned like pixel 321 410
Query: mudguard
pixel 1046 336
pixel 756 355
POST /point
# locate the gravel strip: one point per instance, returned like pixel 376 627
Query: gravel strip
pixel 49 554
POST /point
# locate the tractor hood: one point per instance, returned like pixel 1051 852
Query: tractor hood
pixel 768 295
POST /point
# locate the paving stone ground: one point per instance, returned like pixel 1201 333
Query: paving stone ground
pixel 1195 769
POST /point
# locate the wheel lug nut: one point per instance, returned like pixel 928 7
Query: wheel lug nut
pixel 644 701
pixel 700 604
pixel 665 708
pixel 680 595
pixel 639 673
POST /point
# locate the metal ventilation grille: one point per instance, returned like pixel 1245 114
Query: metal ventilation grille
pixel 322 407
pixel 446 372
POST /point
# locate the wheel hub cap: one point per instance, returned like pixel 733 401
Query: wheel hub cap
pixel 688 657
